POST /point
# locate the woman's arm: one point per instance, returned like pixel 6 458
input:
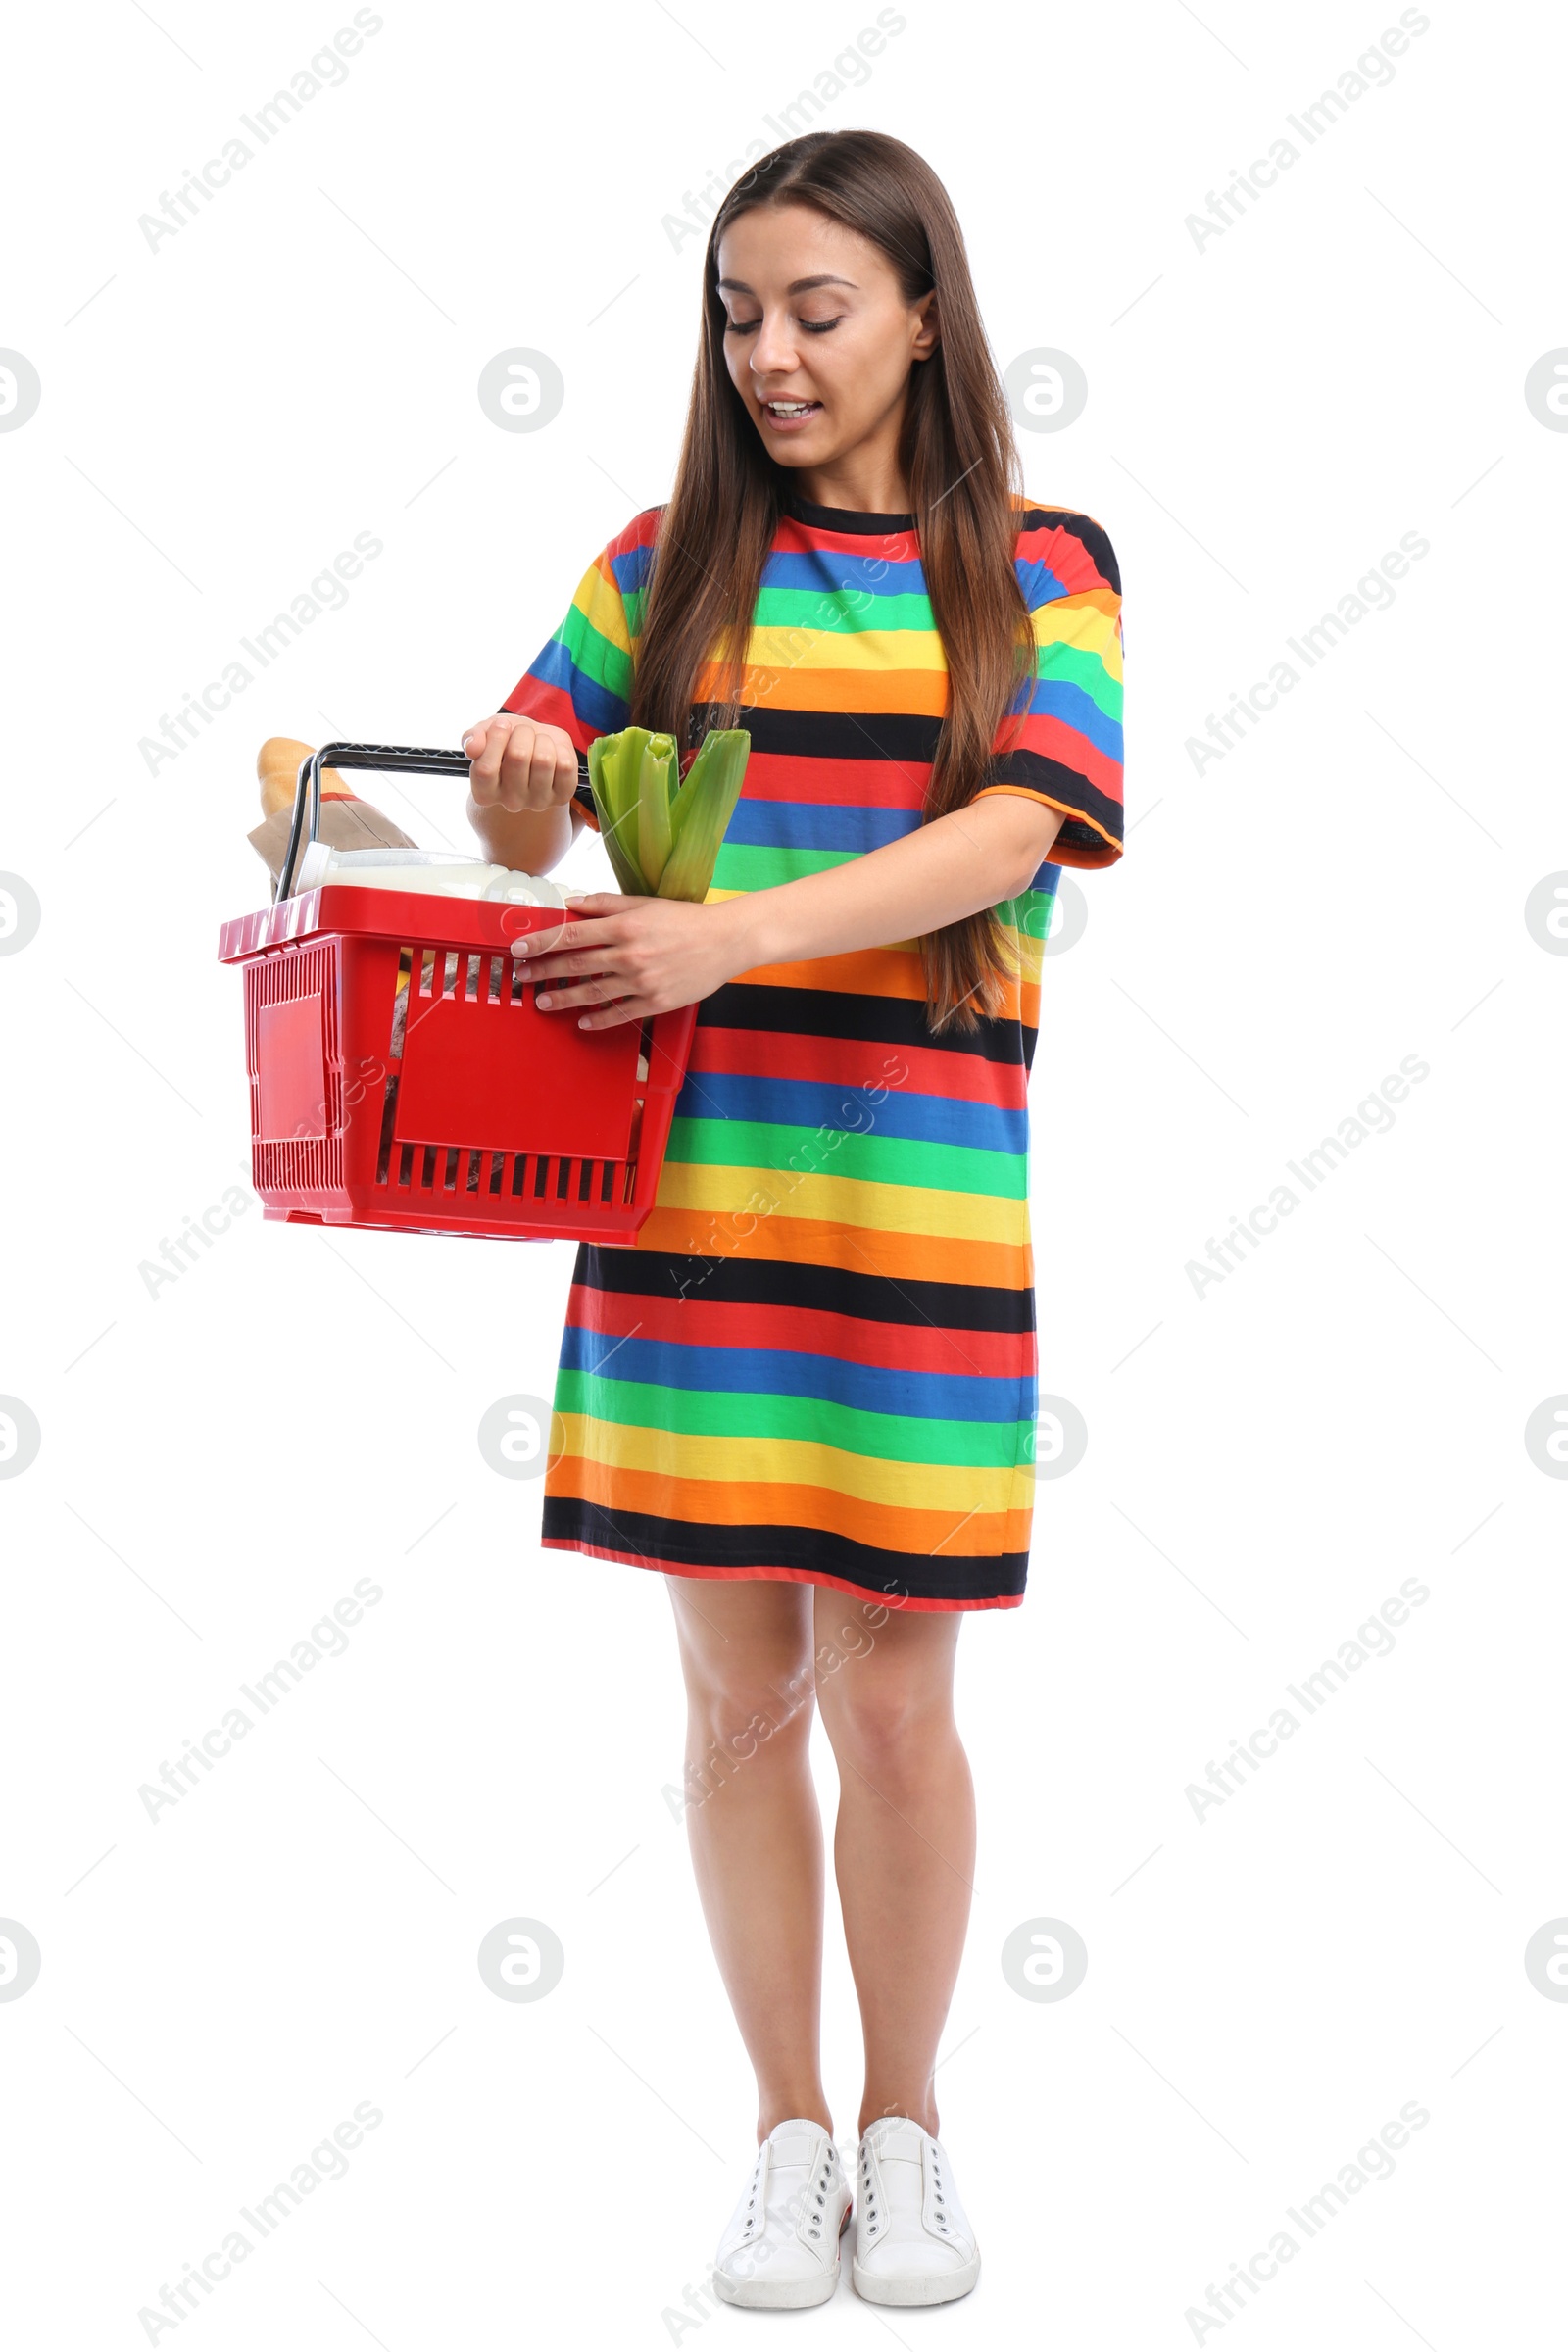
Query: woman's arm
pixel 522 778
pixel 952 867
pixel 651 955
pixel 531 841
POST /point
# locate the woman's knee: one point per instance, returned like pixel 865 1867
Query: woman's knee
pixel 746 1705
pixel 888 1721
pixel 748 1672
pixel 746 1725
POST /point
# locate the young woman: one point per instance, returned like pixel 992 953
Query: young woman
pixel 808 1395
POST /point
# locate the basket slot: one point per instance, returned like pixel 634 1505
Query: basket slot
pixel 472 991
pixel 335 1058
pixel 491 1179
pixel 494 997
pixel 400 1003
pixel 312 1164
pixel 389 1106
pixel 449 984
pixel 519 979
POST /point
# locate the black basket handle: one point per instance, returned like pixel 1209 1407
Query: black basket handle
pixel 392 759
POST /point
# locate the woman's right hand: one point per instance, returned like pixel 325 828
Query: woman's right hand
pixel 519 764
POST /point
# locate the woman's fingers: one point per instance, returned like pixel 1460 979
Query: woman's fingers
pixel 519 760
pixel 484 771
pixel 518 766
pixel 590 978
pixel 530 763
pixel 522 759
pixel 582 982
pixel 599 1004
pixel 566 940
pixel 630 1008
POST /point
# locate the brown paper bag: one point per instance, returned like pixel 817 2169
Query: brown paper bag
pixel 346 825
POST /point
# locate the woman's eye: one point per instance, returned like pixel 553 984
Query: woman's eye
pixel 811 326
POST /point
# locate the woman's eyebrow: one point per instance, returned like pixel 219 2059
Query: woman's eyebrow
pixel 799 285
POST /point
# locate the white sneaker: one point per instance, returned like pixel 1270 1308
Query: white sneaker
pixel 780 2251
pixel 912 2239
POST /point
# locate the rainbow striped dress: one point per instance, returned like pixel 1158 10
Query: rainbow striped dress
pixel 819 1362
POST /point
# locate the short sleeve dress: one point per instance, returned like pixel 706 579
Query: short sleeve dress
pixel 819 1362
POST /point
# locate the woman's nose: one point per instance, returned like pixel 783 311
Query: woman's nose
pixel 773 353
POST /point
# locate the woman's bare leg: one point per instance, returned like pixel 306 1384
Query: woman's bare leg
pixel 904 1846
pixel 754 1822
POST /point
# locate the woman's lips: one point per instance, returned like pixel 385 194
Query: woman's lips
pixel 791 424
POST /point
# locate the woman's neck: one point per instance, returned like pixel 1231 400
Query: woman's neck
pixel 862 488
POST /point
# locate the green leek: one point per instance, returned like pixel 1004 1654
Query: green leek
pixel 662 835
pixel 660 771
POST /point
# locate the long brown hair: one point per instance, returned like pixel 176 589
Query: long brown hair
pixel 958 452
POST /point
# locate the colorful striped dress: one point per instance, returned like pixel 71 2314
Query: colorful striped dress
pixel 819 1362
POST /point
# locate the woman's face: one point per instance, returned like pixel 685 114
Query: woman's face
pixel 814 315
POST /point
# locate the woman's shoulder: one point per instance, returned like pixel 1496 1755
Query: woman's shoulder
pixel 638 534
pixel 1071 548
pixel 622 561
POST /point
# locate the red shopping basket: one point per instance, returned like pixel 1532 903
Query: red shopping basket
pixel 403 1077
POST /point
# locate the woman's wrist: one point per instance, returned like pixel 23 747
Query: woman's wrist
pixel 529 841
pixel 740 919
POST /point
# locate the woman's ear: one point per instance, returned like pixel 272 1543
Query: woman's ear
pixel 929 333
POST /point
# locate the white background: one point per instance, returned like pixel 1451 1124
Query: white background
pixel 1266 1463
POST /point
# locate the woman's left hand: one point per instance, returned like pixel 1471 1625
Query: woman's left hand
pixel 633 956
